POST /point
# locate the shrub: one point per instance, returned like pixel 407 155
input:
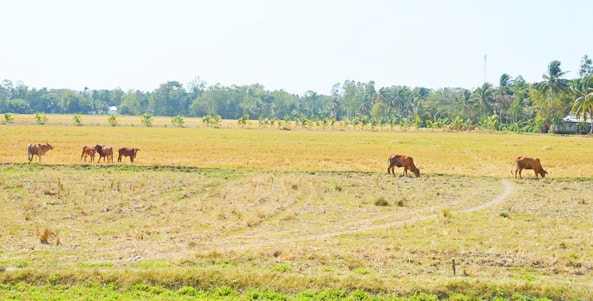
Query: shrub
pixel 381 202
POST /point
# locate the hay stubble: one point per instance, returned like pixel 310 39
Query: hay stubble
pixel 266 213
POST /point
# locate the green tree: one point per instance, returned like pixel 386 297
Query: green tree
pixel 40 118
pixel 553 83
pixel 216 121
pixel 77 119
pixel 378 111
pixel 177 121
pixel 112 120
pixel 18 105
pixel 582 89
pixel 7 118
pixel 130 104
pixel 146 119
pixel 586 66
pixel 553 88
pixel 243 120
pixel 464 103
pixel 483 97
pixel 169 99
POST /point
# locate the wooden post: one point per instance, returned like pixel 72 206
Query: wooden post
pixel 453 266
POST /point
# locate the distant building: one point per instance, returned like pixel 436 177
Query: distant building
pixel 112 110
pixel 573 124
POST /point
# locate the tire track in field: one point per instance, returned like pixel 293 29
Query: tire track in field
pixel 246 242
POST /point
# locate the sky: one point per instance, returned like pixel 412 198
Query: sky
pixel 296 46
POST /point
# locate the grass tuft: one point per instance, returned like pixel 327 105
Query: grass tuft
pixel 380 201
pixel 44 235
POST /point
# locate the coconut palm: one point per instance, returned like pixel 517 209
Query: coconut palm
pixel 483 96
pixel 552 88
pixel 552 81
pixel 464 104
pixel 582 89
pixel 504 84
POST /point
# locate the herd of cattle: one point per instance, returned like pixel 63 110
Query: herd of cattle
pixel 106 153
pixel 519 164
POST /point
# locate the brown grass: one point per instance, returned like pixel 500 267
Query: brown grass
pixel 307 221
pixel 481 154
pixel 44 235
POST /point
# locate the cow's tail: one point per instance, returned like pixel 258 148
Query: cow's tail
pixel 29 153
pixel 513 166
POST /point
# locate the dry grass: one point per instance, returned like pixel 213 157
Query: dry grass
pixel 480 154
pixel 290 231
pixel 295 210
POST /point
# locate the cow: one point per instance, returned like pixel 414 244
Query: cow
pixel 528 163
pixel 88 151
pixel 402 161
pixel 105 152
pixel 37 149
pixel 127 152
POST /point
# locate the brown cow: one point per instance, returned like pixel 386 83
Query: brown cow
pixel 37 149
pixel 88 151
pixel 127 152
pixel 104 152
pixel 402 161
pixel 528 163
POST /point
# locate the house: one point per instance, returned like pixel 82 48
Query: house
pixel 573 124
pixel 112 110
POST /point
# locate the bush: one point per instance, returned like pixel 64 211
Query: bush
pixel 381 202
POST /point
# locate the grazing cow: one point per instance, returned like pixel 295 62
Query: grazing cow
pixel 105 152
pixel 88 151
pixel 402 161
pixel 127 152
pixel 528 163
pixel 38 149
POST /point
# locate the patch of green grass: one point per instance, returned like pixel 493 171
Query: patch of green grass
pixel 282 268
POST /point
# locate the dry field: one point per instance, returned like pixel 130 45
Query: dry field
pixel 297 210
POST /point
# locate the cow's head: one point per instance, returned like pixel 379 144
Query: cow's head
pixel 48 145
pixel 543 173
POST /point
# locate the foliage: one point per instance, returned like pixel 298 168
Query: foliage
pixel 7 118
pixel 178 121
pixel 353 104
pixel 40 118
pixel 77 119
pixel 112 119
pixel 243 120
pixel 146 119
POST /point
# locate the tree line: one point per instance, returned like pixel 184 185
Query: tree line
pixel 513 104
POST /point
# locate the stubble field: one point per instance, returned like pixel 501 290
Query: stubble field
pixel 241 213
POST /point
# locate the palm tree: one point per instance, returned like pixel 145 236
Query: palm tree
pixel 504 84
pixel 551 88
pixel 464 103
pixel 582 89
pixel 552 81
pixel 484 96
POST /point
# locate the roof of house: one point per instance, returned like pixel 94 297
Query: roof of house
pixel 574 118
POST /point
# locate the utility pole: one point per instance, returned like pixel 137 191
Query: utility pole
pixel 485 58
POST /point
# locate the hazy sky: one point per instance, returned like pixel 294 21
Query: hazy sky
pixel 291 45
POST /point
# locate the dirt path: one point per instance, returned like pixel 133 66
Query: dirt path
pixel 245 242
